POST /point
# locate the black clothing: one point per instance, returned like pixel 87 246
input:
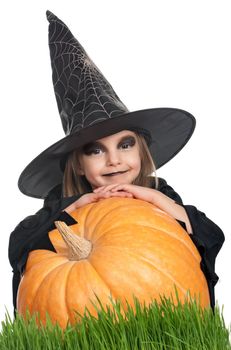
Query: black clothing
pixel 32 233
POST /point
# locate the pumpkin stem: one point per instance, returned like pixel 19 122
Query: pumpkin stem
pixel 79 247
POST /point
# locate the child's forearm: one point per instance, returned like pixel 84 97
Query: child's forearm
pixel 172 208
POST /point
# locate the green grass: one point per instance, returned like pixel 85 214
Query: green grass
pixel 158 326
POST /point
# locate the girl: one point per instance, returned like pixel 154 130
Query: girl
pixel 107 152
pixel 112 167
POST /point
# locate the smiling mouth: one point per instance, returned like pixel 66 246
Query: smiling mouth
pixel 116 173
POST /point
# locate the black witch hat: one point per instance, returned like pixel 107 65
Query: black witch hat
pixel 90 109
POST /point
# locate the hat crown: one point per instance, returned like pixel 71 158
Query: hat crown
pixel 83 94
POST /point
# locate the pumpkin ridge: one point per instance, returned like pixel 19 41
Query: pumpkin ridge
pixel 93 294
pixel 53 270
pixel 133 252
pixel 47 255
pixel 66 301
pixel 148 262
pixel 103 280
pixel 163 272
pixel 91 213
pixel 128 250
pixel 155 230
pixel 186 292
pixel 29 273
pixel 95 227
pixel 120 204
pixel 187 246
pixel 54 283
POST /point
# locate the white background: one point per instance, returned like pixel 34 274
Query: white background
pixel 155 54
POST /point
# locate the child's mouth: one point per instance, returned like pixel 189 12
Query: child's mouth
pixel 116 173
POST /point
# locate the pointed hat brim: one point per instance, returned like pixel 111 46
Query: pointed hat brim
pixel 169 128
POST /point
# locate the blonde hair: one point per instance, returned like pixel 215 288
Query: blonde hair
pixel 74 184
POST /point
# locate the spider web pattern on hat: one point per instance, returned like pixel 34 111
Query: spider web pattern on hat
pixel 90 109
pixel 83 95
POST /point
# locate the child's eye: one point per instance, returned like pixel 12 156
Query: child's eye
pixel 96 151
pixel 92 149
pixel 125 145
pixel 128 143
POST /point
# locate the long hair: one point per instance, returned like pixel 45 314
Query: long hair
pixel 74 184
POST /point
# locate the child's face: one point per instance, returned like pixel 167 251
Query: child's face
pixel 112 159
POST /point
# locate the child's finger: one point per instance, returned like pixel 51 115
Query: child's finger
pixel 114 194
pixel 114 187
pixel 103 194
pixel 120 194
pixel 105 188
pixel 117 188
pixel 97 189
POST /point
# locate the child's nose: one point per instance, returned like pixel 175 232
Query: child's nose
pixel 113 158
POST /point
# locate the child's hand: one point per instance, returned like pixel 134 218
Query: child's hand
pixel 94 197
pixel 139 192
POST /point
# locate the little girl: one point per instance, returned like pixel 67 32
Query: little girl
pixel 115 166
pixel 107 152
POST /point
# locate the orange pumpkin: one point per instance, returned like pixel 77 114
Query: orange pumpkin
pixel 130 248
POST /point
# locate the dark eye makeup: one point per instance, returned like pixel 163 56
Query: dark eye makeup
pixel 92 147
pixel 95 147
pixel 130 141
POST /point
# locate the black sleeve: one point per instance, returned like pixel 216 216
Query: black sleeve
pixel 207 237
pixel 32 233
